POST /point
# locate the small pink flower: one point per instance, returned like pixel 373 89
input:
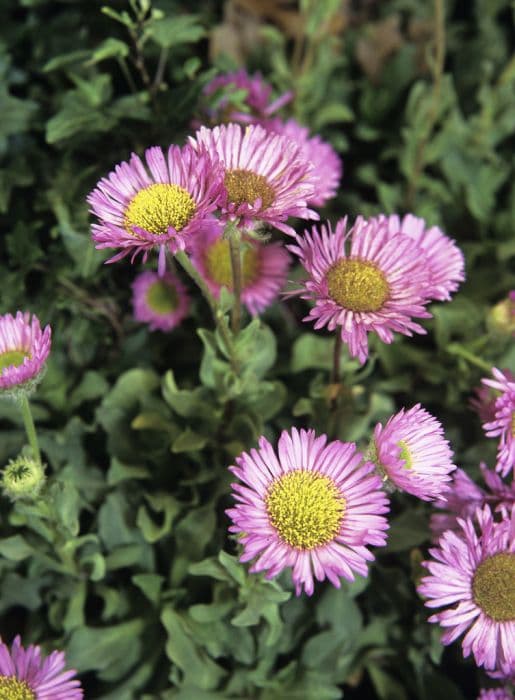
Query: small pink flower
pixel 326 162
pixel 413 454
pixel 465 496
pixel 266 177
pixel 376 286
pixel 162 302
pixel 257 100
pixel 444 264
pixel 161 206
pixel 503 424
pixel 24 348
pixel 471 576
pixel 314 506
pixel 495 694
pixel 24 674
pixel 264 267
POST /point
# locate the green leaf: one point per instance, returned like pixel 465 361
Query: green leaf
pixel 150 585
pixel 197 668
pixel 15 548
pixel 188 441
pixel 173 31
pixel 159 503
pixel 103 648
pixel 407 530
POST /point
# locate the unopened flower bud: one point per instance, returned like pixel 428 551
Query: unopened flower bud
pixel 22 478
pixel 501 317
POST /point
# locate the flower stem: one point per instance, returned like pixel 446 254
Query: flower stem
pixel 30 428
pixel 219 318
pixel 457 349
pixel 337 353
pixel 235 249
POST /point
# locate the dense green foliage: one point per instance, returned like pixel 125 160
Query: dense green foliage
pixel 126 564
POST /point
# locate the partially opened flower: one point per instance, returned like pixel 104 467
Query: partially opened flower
pixel 445 264
pixel 471 576
pixel 162 302
pixel 314 506
pixel 252 92
pixel 412 453
pixel 25 675
pixel 266 180
pixel 24 348
pixel 326 162
pixel 264 267
pixel 159 206
pixel 376 286
pixel 503 424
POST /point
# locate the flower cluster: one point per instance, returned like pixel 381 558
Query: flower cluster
pixel 376 276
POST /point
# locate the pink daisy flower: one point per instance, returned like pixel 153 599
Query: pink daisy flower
pixel 413 454
pixel 162 302
pixel 264 267
pixel 471 574
pixel 24 675
pixel 326 162
pixel 503 424
pixel 444 264
pixel 314 506
pixel 465 496
pixel 376 286
pixel 495 694
pixel 160 206
pixel 24 348
pixel 266 177
pixel 257 98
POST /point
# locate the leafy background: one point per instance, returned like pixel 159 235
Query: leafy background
pixel 126 563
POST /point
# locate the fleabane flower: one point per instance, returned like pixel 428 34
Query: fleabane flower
pixel 252 92
pixel 266 179
pixel 264 267
pixel 24 349
pixel 326 162
pixel 160 301
pixel 495 694
pixel 471 576
pixel 314 506
pixel 158 206
pixel 465 496
pixel 25 675
pixel 503 424
pixel 362 281
pixel 444 261
pixel 412 454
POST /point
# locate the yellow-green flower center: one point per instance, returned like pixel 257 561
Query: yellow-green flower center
pixel 13 689
pixel 306 508
pixel 244 187
pixel 157 207
pixel 405 454
pixel 493 587
pixel 162 297
pixel 217 260
pixel 12 358
pixel 357 285
pixel 513 424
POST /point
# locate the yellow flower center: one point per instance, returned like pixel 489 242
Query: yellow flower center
pixel 157 207
pixel 306 508
pixel 244 187
pixel 12 358
pixel 405 454
pixel 493 587
pixel 162 297
pixel 512 424
pixel 13 689
pixel 357 285
pixel 217 260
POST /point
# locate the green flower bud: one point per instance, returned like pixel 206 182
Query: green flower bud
pixel 501 317
pixel 22 478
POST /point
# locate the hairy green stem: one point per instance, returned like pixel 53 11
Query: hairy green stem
pixel 219 318
pixel 459 350
pixel 235 249
pixel 30 428
pixel 438 66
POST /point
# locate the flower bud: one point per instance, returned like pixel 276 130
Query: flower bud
pixel 22 478
pixel 501 317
